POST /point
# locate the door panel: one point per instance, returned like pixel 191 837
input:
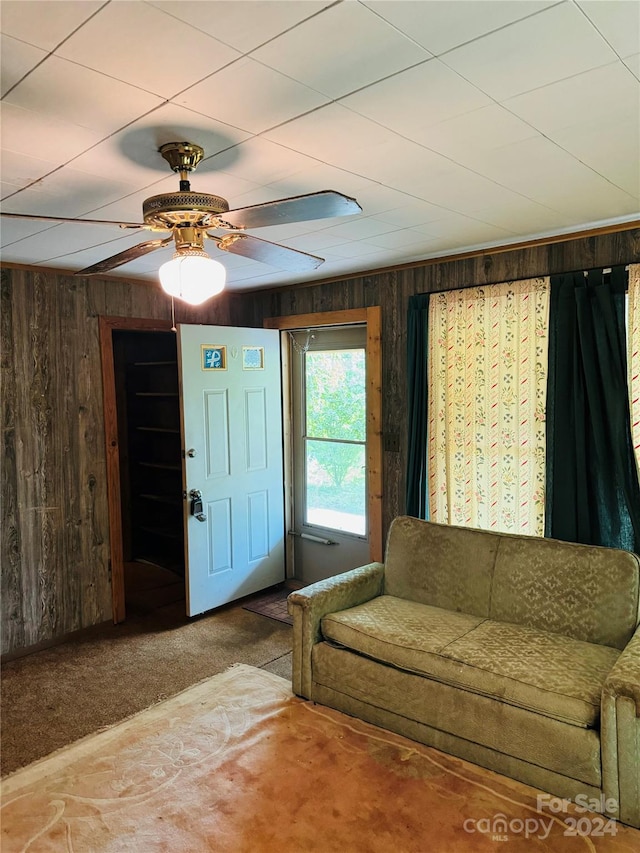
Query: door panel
pixel 329 451
pixel 232 433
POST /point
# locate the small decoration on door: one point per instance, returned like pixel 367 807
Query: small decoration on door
pixel 253 358
pixel 214 357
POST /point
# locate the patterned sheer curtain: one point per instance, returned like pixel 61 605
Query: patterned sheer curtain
pixel 634 357
pixel 486 411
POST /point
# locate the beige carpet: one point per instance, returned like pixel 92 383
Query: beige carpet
pixel 58 695
pixel 236 764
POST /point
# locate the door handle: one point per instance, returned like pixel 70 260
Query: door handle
pixel 196 505
pixel 312 538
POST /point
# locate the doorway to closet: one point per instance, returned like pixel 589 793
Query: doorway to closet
pixel 150 467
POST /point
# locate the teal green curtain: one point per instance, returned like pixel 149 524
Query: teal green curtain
pixel 593 494
pixel 417 338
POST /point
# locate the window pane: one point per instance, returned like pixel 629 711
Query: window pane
pixel 336 486
pixel 335 383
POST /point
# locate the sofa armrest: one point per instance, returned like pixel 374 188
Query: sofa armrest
pixel 624 678
pixel 309 605
pixel 620 733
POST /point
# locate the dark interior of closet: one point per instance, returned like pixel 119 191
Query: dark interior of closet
pixel 148 406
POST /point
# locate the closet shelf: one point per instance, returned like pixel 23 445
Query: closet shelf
pixel 158 429
pixel 156 393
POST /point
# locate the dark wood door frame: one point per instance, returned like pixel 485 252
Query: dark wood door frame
pixel 107 326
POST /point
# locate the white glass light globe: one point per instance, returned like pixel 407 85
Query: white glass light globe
pixel 192 278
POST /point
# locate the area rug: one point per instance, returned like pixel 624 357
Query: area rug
pixel 272 604
pixel 236 764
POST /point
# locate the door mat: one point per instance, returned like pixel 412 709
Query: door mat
pixel 272 604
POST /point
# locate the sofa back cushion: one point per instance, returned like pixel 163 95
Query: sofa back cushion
pixel 582 591
pixel 441 565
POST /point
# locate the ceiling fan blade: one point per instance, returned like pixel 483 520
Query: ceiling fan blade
pixel 268 253
pixel 124 257
pixel 35 217
pixel 320 205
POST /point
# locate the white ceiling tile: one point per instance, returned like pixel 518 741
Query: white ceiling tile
pixel 17 58
pixel 373 152
pixel 59 89
pixel 132 153
pixel 355 249
pixel 463 137
pixel 323 133
pixel 272 98
pixel 19 170
pixel 587 205
pixel 459 189
pixel 601 94
pixel 633 64
pixel 522 216
pixel 412 213
pixel 12 230
pixel 377 199
pixel 43 23
pixel 615 156
pixel 22 132
pixel 322 176
pixel 359 228
pixel 101 242
pixel 243 25
pixel 415 99
pixel 138 44
pixel 438 166
pixel 396 239
pixel 260 161
pixel 399 163
pixel 540 170
pixel 618 21
pixel 128 208
pixel 66 193
pixel 440 26
pixel 340 50
pixel 556 43
pixel 316 243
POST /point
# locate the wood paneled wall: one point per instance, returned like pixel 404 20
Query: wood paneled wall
pixel 391 290
pixel 55 533
pixel 55 552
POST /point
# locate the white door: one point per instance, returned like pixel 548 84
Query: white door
pixel 329 414
pixel 231 412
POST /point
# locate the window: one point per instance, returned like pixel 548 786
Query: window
pixel 335 439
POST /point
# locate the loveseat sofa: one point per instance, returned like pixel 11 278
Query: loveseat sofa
pixel 517 653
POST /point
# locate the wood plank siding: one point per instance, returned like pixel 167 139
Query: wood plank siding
pixel 55 533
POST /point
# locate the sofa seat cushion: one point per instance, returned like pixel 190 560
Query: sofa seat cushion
pixel 397 631
pixel 542 672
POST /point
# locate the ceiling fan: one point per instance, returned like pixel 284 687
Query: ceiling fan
pixel 191 216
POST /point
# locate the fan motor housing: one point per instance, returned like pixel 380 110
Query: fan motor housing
pixel 169 210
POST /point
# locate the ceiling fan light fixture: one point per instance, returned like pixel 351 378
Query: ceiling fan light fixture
pixel 193 277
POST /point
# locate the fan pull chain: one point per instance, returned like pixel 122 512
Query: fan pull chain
pixel 173 315
pixel 302 348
